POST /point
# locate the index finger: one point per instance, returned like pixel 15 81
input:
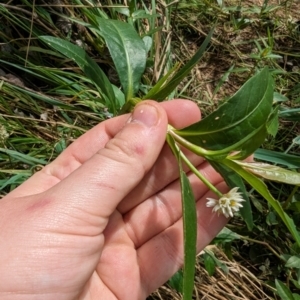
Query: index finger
pixel 180 113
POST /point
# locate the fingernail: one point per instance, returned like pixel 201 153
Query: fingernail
pixel 146 114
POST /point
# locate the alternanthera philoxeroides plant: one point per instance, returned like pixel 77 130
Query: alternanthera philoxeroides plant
pixel 224 138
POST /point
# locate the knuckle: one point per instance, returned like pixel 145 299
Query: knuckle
pixel 121 147
pixel 126 152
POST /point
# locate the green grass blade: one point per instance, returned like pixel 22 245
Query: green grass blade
pixel 161 83
pixel 168 88
pixel 38 96
pixel 88 66
pixel 22 68
pixel 25 158
pixel 14 180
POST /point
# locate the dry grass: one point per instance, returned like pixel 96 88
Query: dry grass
pixel 239 284
pixel 232 47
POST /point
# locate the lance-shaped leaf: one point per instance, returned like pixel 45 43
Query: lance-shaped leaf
pixel 127 50
pixel 290 114
pixel 238 122
pixel 249 143
pixel 272 172
pixel 262 189
pixel 88 66
pixel 288 160
pixel 171 83
pixel 283 291
pixel 189 216
pixel 152 94
pixel 234 180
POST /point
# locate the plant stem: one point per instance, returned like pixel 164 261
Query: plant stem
pixel 212 154
pixel 199 175
pixel 191 166
pixel 195 149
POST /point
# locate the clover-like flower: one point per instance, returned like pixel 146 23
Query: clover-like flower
pixel 227 204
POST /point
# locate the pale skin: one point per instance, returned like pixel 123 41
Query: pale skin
pixel 103 221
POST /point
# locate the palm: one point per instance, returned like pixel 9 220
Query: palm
pixel 119 268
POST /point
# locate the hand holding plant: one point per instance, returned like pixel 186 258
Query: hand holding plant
pixel 104 220
pixel 224 138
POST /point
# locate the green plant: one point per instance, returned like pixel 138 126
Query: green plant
pixel 226 137
pixel 88 95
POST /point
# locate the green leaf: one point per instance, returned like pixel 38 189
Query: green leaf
pixel 127 50
pixel 271 172
pixel 295 282
pixel 291 161
pixel 293 262
pixel 273 123
pixel 283 291
pixel 271 219
pixel 228 250
pixel 238 122
pixel 234 180
pixel 247 147
pixel 161 83
pixel 298 279
pixel 176 281
pixel 209 263
pixel 119 96
pixel 296 140
pixel 262 189
pixel 216 262
pixel 88 66
pixel 190 235
pixel 226 236
pixel 290 114
pixel 148 42
pixel 279 97
pixel 162 93
pixel 189 226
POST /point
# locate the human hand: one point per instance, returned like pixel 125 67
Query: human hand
pixel 103 221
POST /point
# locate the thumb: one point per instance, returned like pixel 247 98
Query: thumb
pixel 92 192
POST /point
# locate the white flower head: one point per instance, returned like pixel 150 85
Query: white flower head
pixel 227 204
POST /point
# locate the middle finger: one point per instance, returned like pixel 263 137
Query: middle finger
pixel 165 208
